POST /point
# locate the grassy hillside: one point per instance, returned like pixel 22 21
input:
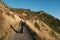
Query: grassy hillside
pixel 39 24
pixel 51 21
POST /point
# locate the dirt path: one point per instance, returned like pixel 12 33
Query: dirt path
pixel 25 36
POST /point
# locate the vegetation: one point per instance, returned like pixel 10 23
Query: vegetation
pixel 9 19
pixel 52 22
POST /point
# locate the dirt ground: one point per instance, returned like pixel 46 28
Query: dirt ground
pixel 24 36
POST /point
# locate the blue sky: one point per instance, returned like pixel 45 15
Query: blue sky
pixel 52 7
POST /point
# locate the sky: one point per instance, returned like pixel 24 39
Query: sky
pixel 52 7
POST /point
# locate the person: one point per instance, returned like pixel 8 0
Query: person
pixel 21 24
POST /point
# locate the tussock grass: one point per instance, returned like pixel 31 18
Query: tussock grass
pixel 5 21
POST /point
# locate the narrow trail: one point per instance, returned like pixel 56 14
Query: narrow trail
pixel 25 36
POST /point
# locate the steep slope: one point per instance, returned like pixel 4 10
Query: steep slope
pixel 39 25
pixel 7 18
pixel 51 21
pixel 52 25
pixel 43 31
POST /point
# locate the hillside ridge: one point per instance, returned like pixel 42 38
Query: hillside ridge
pixel 41 25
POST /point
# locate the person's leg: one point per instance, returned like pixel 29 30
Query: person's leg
pixel 21 31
